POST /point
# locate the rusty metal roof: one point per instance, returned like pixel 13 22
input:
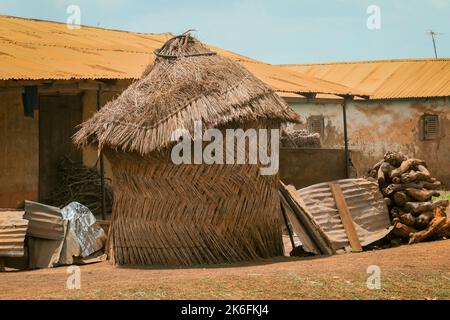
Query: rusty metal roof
pixel 365 203
pixel 35 49
pixel 13 229
pixel 45 222
pixel 386 79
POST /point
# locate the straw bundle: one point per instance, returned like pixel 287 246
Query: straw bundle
pixel 167 214
pixel 292 138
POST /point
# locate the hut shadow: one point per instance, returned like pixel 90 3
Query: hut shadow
pixel 262 262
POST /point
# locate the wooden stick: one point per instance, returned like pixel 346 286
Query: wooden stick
pixel 346 218
pixel 286 222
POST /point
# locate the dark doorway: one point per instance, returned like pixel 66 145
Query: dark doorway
pixel 58 117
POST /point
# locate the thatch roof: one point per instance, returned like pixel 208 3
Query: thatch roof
pixel 186 83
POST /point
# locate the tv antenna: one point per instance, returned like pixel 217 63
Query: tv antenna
pixel 433 37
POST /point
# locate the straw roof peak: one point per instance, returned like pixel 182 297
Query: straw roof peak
pixel 183 46
pixel 187 82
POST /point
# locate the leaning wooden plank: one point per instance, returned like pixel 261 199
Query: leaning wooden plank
pixel 314 230
pixel 346 218
pixel 288 226
pixel 299 230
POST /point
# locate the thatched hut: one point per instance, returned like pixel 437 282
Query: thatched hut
pixel 167 214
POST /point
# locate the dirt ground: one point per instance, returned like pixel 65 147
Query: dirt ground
pixel 420 271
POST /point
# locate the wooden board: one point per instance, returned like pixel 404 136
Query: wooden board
pixel 319 237
pixel 346 217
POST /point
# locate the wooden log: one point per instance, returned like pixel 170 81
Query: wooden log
pixel 396 212
pixel 401 198
pixel 383 172
pixel 401 230
pixel 394 158
pixel 424 219
pixel 381 178
pixel 408 219
pixel 396 180
pixel 424 170
pixel 406 166
pixel 414 176
pixel 377 166
pixel 387 168
pixel 416 208
pixel 435 185
pixel 421 195
pixel 400 187
pixel 430 231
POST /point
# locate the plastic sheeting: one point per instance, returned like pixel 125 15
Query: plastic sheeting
pixel 84 228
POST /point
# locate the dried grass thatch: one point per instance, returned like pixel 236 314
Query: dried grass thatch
pixel 187 82
pixel 166 214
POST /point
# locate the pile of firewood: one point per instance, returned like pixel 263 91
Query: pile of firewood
pixel 79 183
pixel 409 188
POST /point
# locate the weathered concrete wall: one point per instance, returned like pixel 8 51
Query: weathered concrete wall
pixel 90 153
pixel 19 152
pixel 305 167
pixel 332 113
pixel 375 127
pixel 19 148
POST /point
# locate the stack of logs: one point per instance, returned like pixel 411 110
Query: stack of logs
pixel 409 188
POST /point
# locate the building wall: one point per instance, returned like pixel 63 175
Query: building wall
pixel 19 148
pixel 90 153
pixel 19 152
pixel 375 127
pixel 305 167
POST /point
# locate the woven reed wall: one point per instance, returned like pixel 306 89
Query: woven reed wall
pixel 186 215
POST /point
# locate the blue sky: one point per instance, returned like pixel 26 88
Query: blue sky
pixel 275 31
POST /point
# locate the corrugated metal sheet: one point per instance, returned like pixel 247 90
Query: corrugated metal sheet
pixel 365 202
pixel 45 222
pixel 386 79
pixel 32 50
pixel 286 81
pixel 13 229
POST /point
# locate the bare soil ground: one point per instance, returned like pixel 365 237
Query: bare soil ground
pixel 420 271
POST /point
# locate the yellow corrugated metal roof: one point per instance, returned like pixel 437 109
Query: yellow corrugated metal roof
pixel 386 79
pixel 36 49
